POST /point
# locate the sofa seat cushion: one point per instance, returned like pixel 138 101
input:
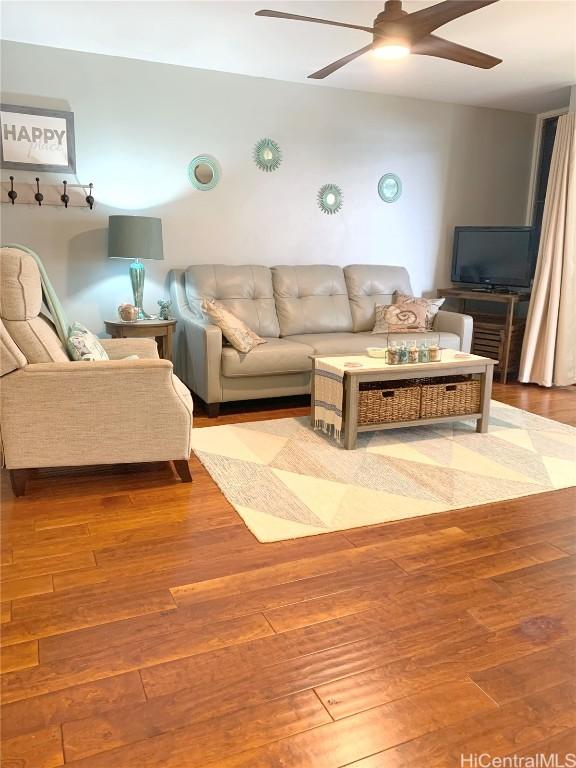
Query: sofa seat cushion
pixel 356 343
pixel 275 357
pixel 330 343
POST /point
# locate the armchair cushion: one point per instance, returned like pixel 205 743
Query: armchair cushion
pixel 120 349
pixel 37 340
pixel 20 287
pixel 11 358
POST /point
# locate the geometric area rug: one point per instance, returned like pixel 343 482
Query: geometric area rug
pixel 287 480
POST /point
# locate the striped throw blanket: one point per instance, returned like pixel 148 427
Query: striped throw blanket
pixel 328 398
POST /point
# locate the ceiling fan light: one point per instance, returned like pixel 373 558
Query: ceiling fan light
pixel 391 51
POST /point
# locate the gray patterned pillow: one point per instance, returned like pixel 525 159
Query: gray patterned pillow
pixel 432 305
pixel 238 334
pixel 84 345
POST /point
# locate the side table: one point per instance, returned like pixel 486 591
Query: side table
pixel 161 330
pixel 497 336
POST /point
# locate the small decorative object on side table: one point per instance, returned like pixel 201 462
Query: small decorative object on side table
pixel 161 330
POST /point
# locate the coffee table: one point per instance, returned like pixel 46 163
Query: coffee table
pixel 453 363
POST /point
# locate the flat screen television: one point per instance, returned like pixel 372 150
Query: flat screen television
pixel 493 256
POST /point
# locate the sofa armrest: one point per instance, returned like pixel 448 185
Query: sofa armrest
pixel 101 412
pixel 199 357
pixel 454 322
pixel 197 343
pixel 117 349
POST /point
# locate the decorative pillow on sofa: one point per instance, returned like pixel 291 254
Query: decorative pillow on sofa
pixel 238 334
pixel 432 305
pixel 400 318
pixel 84 345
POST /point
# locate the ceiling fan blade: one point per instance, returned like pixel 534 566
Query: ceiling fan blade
pixel 444 49
pixel 322 73
pixel 280 15
pixel 421 23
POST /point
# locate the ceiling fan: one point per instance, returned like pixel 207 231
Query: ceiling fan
pixel 396 33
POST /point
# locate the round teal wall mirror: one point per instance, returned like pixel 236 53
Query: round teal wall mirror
pixel 330 198
pixel 389 188
pixel 203 172
pixel 267 155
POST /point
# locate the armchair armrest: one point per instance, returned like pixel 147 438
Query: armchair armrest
pixel 101 412
pixel 454 322
pixel 117 349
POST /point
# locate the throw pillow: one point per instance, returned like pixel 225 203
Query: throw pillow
pixel 84 345
pixel 400 318
pixel 238 334
pixel 432 305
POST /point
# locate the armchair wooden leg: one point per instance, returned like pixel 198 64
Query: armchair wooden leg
pixel 213 410
pixel 183 468
pixel 18 479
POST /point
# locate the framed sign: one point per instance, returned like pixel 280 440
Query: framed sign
pixel 33 139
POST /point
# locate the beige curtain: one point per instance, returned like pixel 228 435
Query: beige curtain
pixel 549 349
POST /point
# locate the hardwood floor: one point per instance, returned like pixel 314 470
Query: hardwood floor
pixel 144 626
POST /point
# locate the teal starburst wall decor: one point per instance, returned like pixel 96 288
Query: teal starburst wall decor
pixel 267 155
pixel 330 198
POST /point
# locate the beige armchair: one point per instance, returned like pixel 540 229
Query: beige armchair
pixel 58 413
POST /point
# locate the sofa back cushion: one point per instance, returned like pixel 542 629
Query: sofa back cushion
pixel 311 299
pixel 369 285
pixel 245 291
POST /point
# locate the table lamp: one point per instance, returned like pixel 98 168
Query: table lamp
pixel 135 237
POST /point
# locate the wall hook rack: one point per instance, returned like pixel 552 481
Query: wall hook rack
pixel 11 193
pixel 65 197
pixel 34 192
pixel 38 196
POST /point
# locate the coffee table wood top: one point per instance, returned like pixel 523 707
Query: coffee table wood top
pixel 451 360
pixel 366 369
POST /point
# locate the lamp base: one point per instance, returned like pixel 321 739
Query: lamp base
pixel 137 276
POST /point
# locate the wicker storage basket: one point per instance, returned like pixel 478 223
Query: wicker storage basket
pixel 379 402
pixel 452 398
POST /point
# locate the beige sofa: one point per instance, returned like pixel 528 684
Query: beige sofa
pixel 57 413
pixel 300 310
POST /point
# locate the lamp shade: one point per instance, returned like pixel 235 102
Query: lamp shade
pixel 135 237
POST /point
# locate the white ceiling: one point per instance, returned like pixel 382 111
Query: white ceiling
pixel 536 39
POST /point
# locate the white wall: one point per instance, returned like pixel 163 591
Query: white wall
pixel 138 124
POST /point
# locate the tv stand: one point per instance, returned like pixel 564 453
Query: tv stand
pixel 496 336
